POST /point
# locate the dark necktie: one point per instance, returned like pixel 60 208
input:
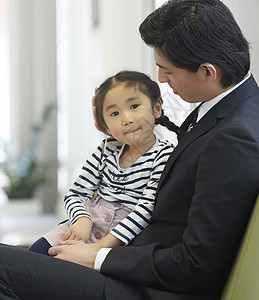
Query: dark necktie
pixel 189 123
pixel 193 122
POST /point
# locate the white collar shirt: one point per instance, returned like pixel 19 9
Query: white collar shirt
pixel 207 105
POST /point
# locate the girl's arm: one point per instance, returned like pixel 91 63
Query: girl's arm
pixel 109 241
pixel 84 187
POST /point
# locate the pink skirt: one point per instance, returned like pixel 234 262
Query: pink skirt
pixel 105 215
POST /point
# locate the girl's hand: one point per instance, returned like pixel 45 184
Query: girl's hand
pixel 109 241
pixel 80 230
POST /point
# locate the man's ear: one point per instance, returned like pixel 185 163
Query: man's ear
pixel 210 71
pixel 158 109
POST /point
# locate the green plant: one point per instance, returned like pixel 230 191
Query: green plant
pixel 25 173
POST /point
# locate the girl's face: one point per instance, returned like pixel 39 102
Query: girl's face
pixel 129 115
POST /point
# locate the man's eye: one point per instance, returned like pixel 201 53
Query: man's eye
pixel 114 114
pixel 134 106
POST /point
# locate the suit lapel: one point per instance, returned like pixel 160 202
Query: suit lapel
pixel 205 124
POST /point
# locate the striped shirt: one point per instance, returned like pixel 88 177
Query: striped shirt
pixel 134 187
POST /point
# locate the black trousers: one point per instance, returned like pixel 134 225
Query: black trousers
pixel 30 276
pixel 27 275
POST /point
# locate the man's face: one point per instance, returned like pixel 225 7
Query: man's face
pixel 191 87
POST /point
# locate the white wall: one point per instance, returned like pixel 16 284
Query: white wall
pixel 120 42
pixel 246 15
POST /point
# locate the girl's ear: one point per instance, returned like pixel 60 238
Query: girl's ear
pixel 157 109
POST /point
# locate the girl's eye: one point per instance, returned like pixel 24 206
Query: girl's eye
pixel 114 114
pixel 134 106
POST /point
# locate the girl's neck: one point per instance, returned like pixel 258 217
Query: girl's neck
pixel 132 153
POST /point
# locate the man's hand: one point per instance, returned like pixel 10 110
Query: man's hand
pixel 75 251
pixel 80 230
pixel 96 122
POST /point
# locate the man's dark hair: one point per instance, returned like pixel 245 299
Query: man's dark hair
pixel 191 32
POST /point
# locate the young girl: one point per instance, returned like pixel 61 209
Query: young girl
pixel 112 200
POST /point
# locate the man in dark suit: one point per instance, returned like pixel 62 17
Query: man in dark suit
pixel 207 190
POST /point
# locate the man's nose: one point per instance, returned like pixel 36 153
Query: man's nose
pixel 161 76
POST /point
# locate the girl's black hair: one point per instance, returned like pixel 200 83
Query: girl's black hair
pixel 145 85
